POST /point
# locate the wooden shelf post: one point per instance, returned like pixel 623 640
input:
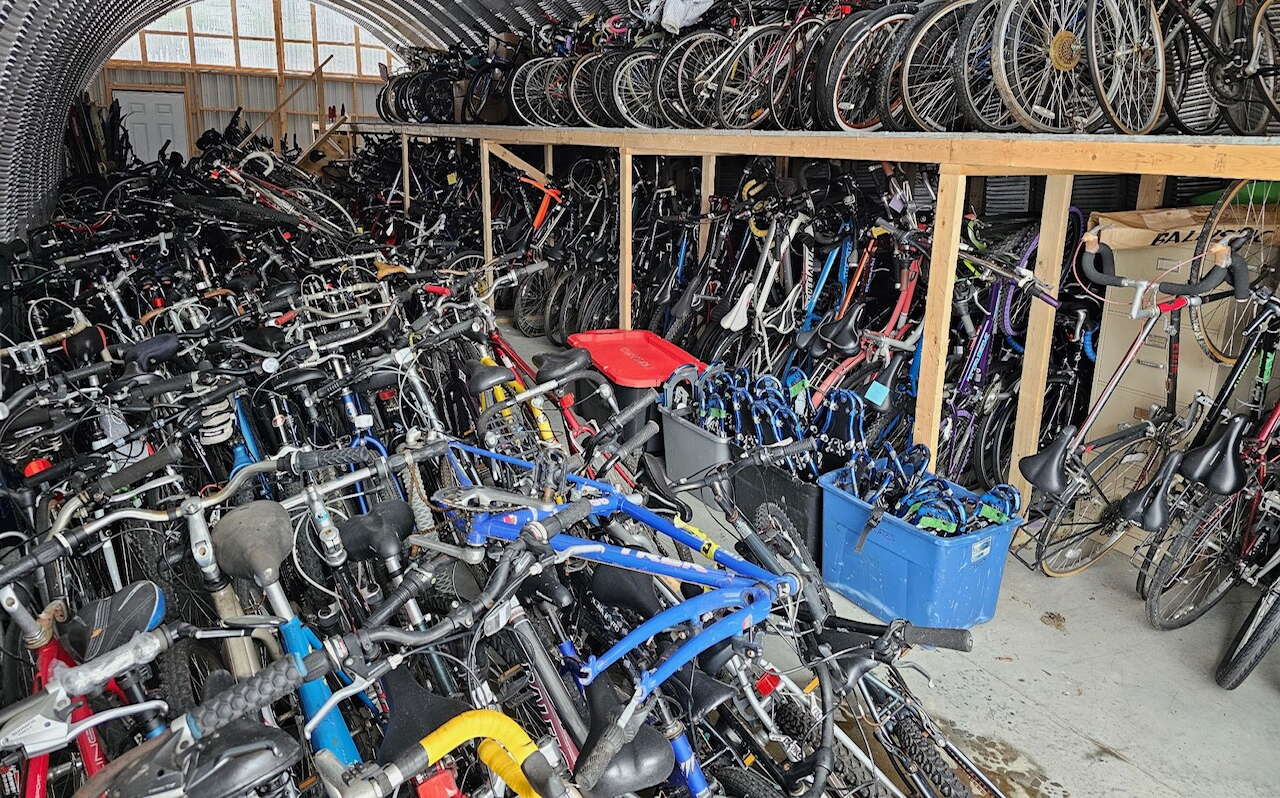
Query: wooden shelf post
pixel 547 159
pixel 624 238
pixel 404 170
pixel 1039 338
pixel 486 212
pixel 948 221
pixel 707 188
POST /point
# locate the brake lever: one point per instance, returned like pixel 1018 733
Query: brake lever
pixel 358 685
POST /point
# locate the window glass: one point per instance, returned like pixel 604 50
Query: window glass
pixel 298 57
pixel 370 57
pixel 333 27
pixel 175 20
pixel 215 52
pixel 255 18
pixel 344 59
pixel 295 17
pixel 129 51
pixel 168 48
pixel 257 55
pixel 211 16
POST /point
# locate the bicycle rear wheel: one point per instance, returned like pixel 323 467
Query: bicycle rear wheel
pixel 976 94
pixel 1255 638
pixel 1197 567
pixel 928 57
pixel 1039 65
pixel 1085 522
pixel 1190 98
pixel 742 85
pixel 1219 326
pixel 1126 62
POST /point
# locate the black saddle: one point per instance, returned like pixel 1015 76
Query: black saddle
pixel 85 346
pixel 243 284
pixel 841 335
pixel 379 533
pixel 377 381
pixel 1046 469
pixel 553 254
pixel 233 761
pixel 106 623
pixel 147 354
pixel 645 761
pixel 1218 465
pixel 267 339
pixel 1149 507
pixel 619 587
pixel 252 540
pixel 697 691
pixel 558 365
pixel 481 378
pixel 415 713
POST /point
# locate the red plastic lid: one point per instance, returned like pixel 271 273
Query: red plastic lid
pixel 633 358
pixel 36 466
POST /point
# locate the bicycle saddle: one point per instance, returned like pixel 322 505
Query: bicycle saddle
pixel 558 365
pixel 1149 507
pixel 481 378
pixel 805 338
pixel 842 334
pixel 152 351
pixel 598 254
pixel 624 589
pixel 105 623
pixel 243 284
pixel 546 587
pixel 553 254
pixel 266 339
pixel 85 346
pixel 233 761
pixel 697 692
pixel 1218 465
pixel 1046 469
pixel 252 540
pixel 415 713
pixel 377 381
pixel 645 761
pixel 379 533
pixel 295 377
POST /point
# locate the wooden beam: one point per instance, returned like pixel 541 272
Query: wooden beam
pixel 404 175
pixel 486 212
pixel 499 151
pixel 1039 338
pixel 327 132
pixel 1012 154
pixel 1151 192
pixel 278 111
pixel 707 189
pixel 624 238
pixel 282 121
pixel 548 159
pixel 947 224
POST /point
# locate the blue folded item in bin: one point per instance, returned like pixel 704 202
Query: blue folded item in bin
pixel 906 572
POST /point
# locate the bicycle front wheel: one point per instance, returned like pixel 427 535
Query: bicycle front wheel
pixel 1255 638
pixel 1086 523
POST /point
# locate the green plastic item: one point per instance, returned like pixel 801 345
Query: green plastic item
pixel 1265 191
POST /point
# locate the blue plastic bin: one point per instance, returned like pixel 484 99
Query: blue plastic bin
pixel 905 572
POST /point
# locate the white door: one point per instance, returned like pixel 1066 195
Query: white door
pixel 152 118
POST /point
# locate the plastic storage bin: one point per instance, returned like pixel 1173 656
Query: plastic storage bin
pixel 688 449
pixel 800 500
pixel 632 360
pixel 905 572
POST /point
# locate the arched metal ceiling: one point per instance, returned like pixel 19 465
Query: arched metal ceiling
pixel 52 48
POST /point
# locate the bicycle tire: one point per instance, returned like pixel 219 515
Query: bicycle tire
pixel 922 755
pixel 1247 105
pixel 1113 528
pixel 1127 69
pixel 1252 641
pixel 692 76
pixel 848 95
pixel 1190 99
pixel 528 308
pixel 976 94
pixel 784 81
pixel 1175 560
pixel 632 88
pixel 927 57
pixel 744 105
pixel 737 782
pixel 1225 346
pixel 770 516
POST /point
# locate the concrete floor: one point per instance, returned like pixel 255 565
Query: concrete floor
pixel 1069 692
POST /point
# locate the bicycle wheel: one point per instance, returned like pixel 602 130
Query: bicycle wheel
pixel 632 88
pixel 556 85
pixel 666 83
pixel 784 80
pixel 515 91
pixel 1085 523
pixel 1255 638
pixel 1126 62
pixel 850 96
pixel 1190 98
pixel 1039 65
pixel 1218 326
pixel 742 83
pixel 1198 565
pixel 582 92
pixel 928 57
pixel 696 75
pixel 1266 42
pixel 977 97
pixel 1246 105
pixel 533 94
pixel 528 310
pixel 479 89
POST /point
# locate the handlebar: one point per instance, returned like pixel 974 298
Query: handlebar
pixel 1227 265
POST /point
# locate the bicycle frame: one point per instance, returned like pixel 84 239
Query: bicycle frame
pixel 35 776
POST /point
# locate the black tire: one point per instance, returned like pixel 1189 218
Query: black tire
pixel 1252 642
pixel 922 754
pixel 772 518
pixel 183 670
pixel 855 780
pixel 555 300
pixel 1215 519
pixel 528 309
pixel 980 103
pixel 736 782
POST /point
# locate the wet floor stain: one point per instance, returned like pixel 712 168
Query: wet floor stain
pixel 1055 619
pixel 1013 771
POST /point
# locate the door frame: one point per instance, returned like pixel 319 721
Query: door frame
pixel 163 88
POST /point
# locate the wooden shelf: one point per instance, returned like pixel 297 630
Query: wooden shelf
pixel 966 153
pixel 960 156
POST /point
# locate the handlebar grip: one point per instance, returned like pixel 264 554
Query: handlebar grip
pixel 145 467
pixel 1046 298
pixel 770 454
pixel 456 331
pixel 152 389
pixel 266 686
pixel 335 336
pixel 625 416
pixel 299 462
pixel 54 473
pixel 1093 250
pixel 279 304
pixel 219 394
pixel 574 513
pixel 635 442
pixel 938 637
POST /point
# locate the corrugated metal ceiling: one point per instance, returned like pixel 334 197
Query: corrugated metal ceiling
pixel 52 48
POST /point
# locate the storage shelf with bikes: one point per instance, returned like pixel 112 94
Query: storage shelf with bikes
pixel 959 157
